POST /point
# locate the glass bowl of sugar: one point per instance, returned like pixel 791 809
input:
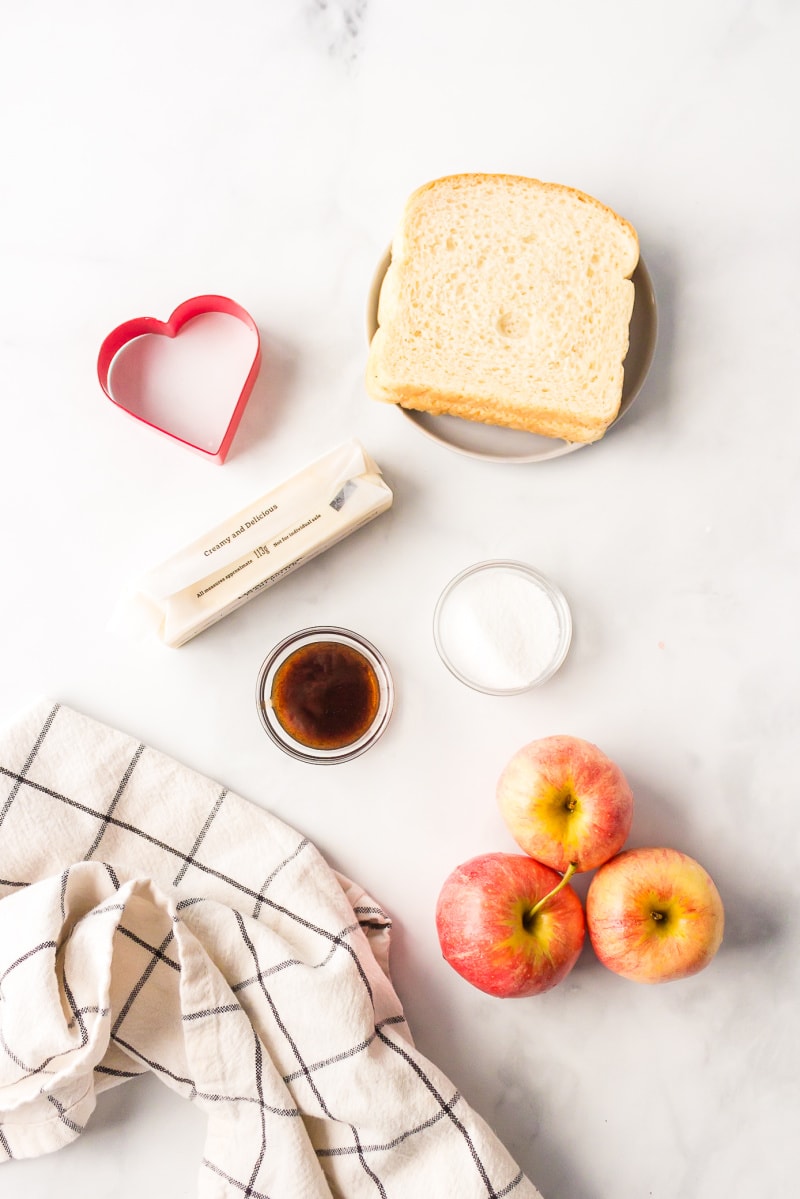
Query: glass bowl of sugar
pixel 501 627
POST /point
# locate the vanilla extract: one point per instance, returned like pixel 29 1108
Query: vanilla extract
pixel 325 695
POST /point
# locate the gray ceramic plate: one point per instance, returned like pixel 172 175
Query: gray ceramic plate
pixel 496 444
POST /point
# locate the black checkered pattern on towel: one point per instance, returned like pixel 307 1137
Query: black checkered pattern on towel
pixel 152 920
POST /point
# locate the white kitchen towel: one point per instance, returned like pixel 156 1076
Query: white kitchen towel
pixel 152 920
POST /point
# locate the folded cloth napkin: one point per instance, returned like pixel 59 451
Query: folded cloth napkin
pixel 152 920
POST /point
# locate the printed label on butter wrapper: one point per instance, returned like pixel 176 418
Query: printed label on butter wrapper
pixel 256 547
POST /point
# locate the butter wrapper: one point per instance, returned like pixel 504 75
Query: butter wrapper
pixel 258 546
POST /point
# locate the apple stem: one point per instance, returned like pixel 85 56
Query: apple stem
pixel 567 875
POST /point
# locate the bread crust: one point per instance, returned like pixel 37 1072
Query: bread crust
pixel 483 177
pixel 482 403
pixel 536 420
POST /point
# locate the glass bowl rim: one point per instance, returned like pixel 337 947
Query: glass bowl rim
pixel 550 589
pixel 343 636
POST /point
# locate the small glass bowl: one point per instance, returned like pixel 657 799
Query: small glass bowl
pixel 275 659
pixel 446 640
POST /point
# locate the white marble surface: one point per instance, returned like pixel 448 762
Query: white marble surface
pixel 264 150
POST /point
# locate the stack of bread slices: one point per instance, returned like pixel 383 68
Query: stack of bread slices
pixel 507 301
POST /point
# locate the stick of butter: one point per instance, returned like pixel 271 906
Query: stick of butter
pixel 256 547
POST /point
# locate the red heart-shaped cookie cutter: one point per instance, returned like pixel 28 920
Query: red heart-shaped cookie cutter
pixel 185 312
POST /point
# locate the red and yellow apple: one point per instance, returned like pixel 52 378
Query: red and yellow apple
pixel 566 803
pixel 498 934
pixel 654 915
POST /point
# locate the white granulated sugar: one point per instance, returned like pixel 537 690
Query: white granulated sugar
pixel 499 629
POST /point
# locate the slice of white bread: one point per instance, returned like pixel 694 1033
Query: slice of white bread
pixel 507 301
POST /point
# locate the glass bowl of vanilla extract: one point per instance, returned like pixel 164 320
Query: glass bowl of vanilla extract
pixel 324 695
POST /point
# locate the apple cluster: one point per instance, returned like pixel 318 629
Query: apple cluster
pixel 512 925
